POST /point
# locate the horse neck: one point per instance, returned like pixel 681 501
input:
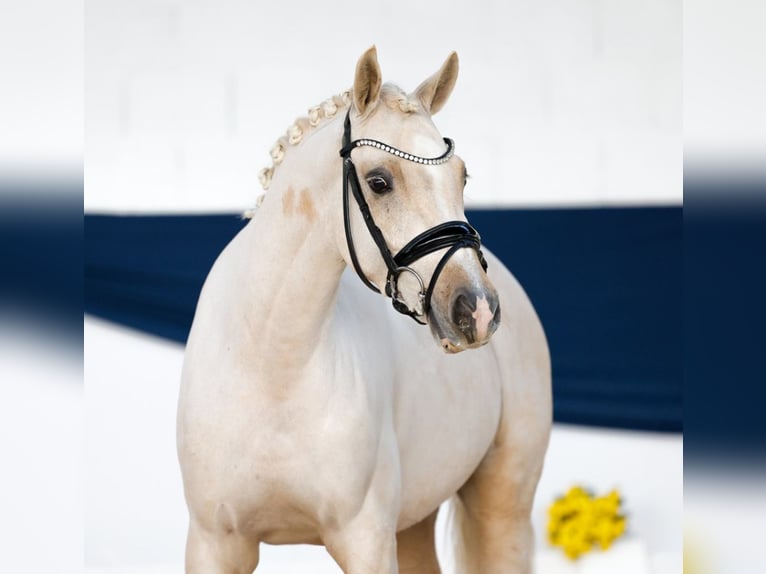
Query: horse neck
pixel 294 266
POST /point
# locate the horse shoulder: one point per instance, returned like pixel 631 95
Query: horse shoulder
pixel 524 360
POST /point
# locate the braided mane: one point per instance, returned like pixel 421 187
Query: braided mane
pixel 393 96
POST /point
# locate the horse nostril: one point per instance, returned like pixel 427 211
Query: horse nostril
pixel 462 315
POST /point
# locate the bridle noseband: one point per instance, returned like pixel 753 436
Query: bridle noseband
pixel 451 235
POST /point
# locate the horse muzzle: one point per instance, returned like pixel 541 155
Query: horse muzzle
pixel 473 317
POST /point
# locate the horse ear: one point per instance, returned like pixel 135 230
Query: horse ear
pixel 434 92
pixel 367 81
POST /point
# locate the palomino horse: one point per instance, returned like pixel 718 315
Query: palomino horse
pixel 313 412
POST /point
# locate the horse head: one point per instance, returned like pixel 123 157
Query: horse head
pixel 405 230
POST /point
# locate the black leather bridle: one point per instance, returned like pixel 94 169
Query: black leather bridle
pixel 451 235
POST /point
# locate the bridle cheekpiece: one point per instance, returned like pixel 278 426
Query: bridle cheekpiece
pixel 451 235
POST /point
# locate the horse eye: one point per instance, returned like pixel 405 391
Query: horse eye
pixel 378 184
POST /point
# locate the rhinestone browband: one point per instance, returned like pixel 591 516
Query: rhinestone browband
pixel 408 156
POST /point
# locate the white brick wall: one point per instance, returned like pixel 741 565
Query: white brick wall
pixel 559 102
pixel 41 89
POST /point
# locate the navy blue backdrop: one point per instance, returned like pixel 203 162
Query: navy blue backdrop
pixel 605 282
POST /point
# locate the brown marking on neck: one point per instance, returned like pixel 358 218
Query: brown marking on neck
pixel 288 200
pixel 306 206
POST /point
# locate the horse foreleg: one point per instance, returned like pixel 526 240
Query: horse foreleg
pixel 362 539
pixel 364 546
pixel 493 509
pixel 492 514
pixel 416 549
pixel 219 552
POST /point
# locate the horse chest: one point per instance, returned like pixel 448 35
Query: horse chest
pixel 440 418
pixel 445 423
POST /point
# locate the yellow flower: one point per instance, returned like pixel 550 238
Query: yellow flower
pixel 578 520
